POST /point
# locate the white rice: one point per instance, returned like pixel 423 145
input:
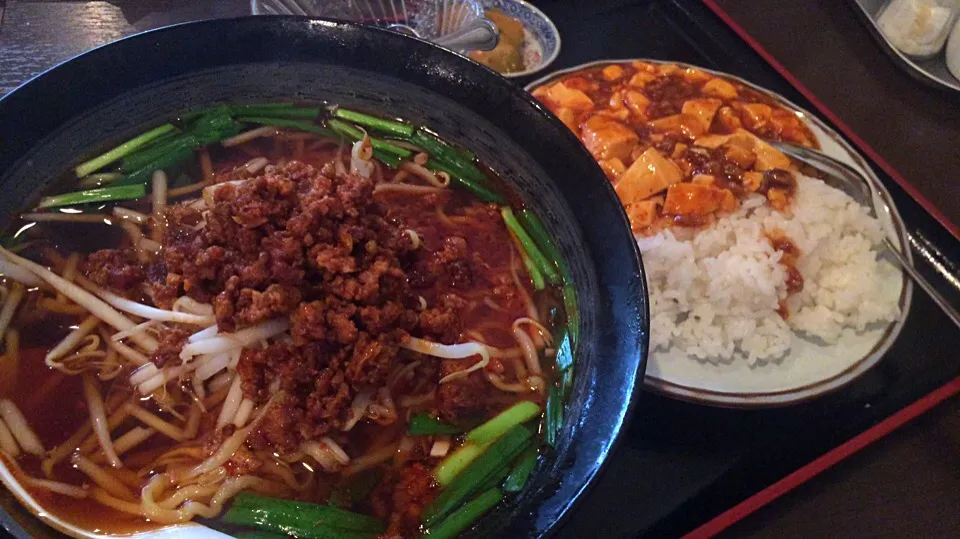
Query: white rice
pixel 715 295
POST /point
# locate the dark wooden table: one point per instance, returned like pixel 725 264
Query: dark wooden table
pixel 906 484
pixel 909 483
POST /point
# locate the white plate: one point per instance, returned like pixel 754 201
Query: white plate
pixel 809 370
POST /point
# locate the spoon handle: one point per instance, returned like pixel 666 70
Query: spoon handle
pixel 479 35
pixel 864 192
pixel 924 284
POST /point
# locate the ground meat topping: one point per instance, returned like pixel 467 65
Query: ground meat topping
pixel 171 342
pixel 461 400
pixel 400 497
pixel 322 252
pixel 442 323
pixel 115 269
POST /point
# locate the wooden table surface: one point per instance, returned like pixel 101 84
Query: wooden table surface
pixel 906 484
pixel 909 483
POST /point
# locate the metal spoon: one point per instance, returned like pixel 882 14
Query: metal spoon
pixel 478 35
pixel 849 180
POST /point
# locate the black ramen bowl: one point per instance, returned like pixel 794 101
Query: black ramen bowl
pixel 109 93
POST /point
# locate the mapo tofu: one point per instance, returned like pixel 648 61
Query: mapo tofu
pixel 680 145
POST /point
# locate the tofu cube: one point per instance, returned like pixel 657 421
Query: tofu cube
pixel 703 109
pixel 648 175
pixel 570 98
pixel 607 138
pixel 720 88
pixel 692 199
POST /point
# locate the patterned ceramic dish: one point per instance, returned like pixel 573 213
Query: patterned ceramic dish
pixel 809 369
pixel 428 19
pixel 541 42
pixel 431 19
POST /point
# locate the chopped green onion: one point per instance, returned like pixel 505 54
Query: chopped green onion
pixel 496 479
pixel 105 194
pixel 525 464
pixel 156 152
pixel 424 425
pixel 544 265
pixel 535 274
pixel 478 439
pixel 486 466
pixel 564 361
pixel 466 516
pixel 355 134
pixel 213 126
pixel 122 150
pixel 380 124
pixel 164 139
pixel 564 351
pixel 286 122
pixel 451 466
pixel 301 519
pixel 187 117
pixel 553 416
pixel 437 148
pixel 448 156
pixel 387 158
pixel 504 421
pixel 457 180
pixel 573 317
pixel 466 154
pixel 330 516
pixel 535 227
pixel 405 143
pixel 99 179
pixel 566 382
pixel 164 162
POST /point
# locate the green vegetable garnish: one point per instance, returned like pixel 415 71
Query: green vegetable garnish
pixel 487 465
pixel 466 516
pixel 521 471
pixel 385 126
pixel 122 150
pixel 286 122
pixel 105 194
pixel 493 429
pixel 456 180
pixel 545 266
pixel 554 416
pixel 353 133
pixel 478 439
pixel 425 425
pixel 300 519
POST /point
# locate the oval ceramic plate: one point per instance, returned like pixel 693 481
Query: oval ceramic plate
pixel 809 369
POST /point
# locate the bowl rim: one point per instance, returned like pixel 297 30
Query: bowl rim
pixel 74 106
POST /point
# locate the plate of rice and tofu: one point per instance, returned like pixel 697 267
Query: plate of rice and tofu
pixel 767 286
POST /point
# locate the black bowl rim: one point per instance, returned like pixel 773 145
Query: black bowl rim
pixel 78 63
